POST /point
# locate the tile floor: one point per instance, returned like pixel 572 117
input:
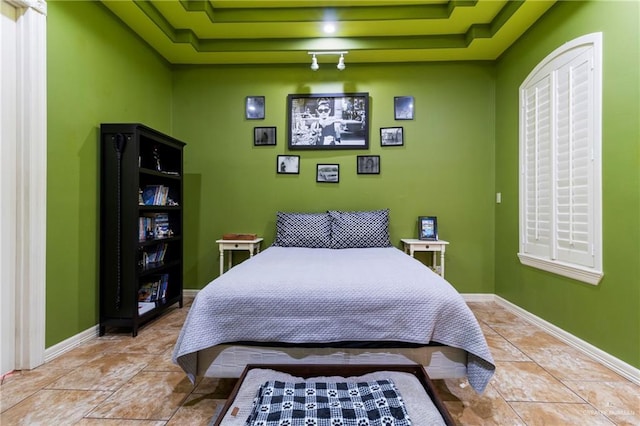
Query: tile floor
pixel 119 380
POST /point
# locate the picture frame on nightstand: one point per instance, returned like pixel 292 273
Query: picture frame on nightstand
pixel 428 228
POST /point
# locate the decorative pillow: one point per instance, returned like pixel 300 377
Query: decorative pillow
pixel 360 229
pixel 311 230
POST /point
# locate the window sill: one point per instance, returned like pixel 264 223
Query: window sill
pixel 586 275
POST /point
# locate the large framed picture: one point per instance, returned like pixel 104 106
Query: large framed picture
pixel 391 136
pixel 288 164
pixel 254 108
pixel 368 164
pixel 328 173
pixel 428 228
pixel 264 136
pixel 403 107
pixel 328 121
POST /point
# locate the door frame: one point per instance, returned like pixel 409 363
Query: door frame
pixel 31 182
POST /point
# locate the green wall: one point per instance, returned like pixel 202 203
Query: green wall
pixel 445 168
pixel 456 156
pixel 97 72
pixel 607 315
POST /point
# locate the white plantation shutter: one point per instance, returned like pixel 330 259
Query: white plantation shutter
pixel 560 171
pixel 537 167
pixel 574 172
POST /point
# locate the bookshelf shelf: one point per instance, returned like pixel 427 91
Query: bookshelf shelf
pixel 141 217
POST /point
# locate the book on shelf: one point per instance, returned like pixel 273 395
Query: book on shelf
pixel 144 307
pixel 153 255
pixel 161 225
pixel 154 290
pixel 154 225
pixel 155 195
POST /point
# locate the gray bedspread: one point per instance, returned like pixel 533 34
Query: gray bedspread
pixel 305 295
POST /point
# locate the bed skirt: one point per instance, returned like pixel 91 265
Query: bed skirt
pixel 230 360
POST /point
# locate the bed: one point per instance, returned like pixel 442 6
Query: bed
pixel 331 289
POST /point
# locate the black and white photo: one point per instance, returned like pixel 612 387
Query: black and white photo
pixel 328 121
pixel 254 108
pixel 403 107
pixel 328 173
pixel 264 136
pixel 288 164
pixel 391 136
pixel 368 164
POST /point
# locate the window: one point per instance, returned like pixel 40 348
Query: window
pixel 560 165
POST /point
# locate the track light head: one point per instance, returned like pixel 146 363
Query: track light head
pixel 314 59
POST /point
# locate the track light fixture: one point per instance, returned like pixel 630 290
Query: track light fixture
pixel 314 63
pixel 314 60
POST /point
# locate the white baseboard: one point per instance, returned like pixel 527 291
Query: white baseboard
pixel 479 297
pixel 189 292
pixel 615 364
pixel 626 370
pixel 72 342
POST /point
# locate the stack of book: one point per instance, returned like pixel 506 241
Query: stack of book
pixel 155 195
pixel 154 255
pixel 154 291
pixel 161 225
pixel 153 225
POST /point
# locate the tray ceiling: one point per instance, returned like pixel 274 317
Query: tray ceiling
pixel 278 32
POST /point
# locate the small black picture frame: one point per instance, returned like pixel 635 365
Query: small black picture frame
pixel 428 228
pixel 391 136
pixel 328 173
pixel 254 108
pixel 368 164
pixel 403 107
pixel 288 164
pixel 263 136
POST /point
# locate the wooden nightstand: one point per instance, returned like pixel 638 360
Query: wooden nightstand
pixel 252 246
pixel 412 245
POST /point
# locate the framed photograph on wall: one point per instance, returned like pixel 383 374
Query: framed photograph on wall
pixel 264 136
pixel 403 107
pixel 329 173
pixel 368 164
pixel 254 108
pixel 391 136
pixel 328 121
pixel 428 228
pixel 288 164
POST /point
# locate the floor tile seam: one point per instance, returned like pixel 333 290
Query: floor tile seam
pixel 591 407
pixel 593 403
pixel 79 389
pixel 90 416
pixel 622 380
pixel 43 387
pixel 24 400
pixel 557 379
pixel 527 353
pixel 511 343
pixel 513 410
pixel 123 383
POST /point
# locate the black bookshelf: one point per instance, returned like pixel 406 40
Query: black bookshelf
pixel 141 216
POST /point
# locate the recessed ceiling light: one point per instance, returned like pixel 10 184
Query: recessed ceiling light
pixel 329 28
